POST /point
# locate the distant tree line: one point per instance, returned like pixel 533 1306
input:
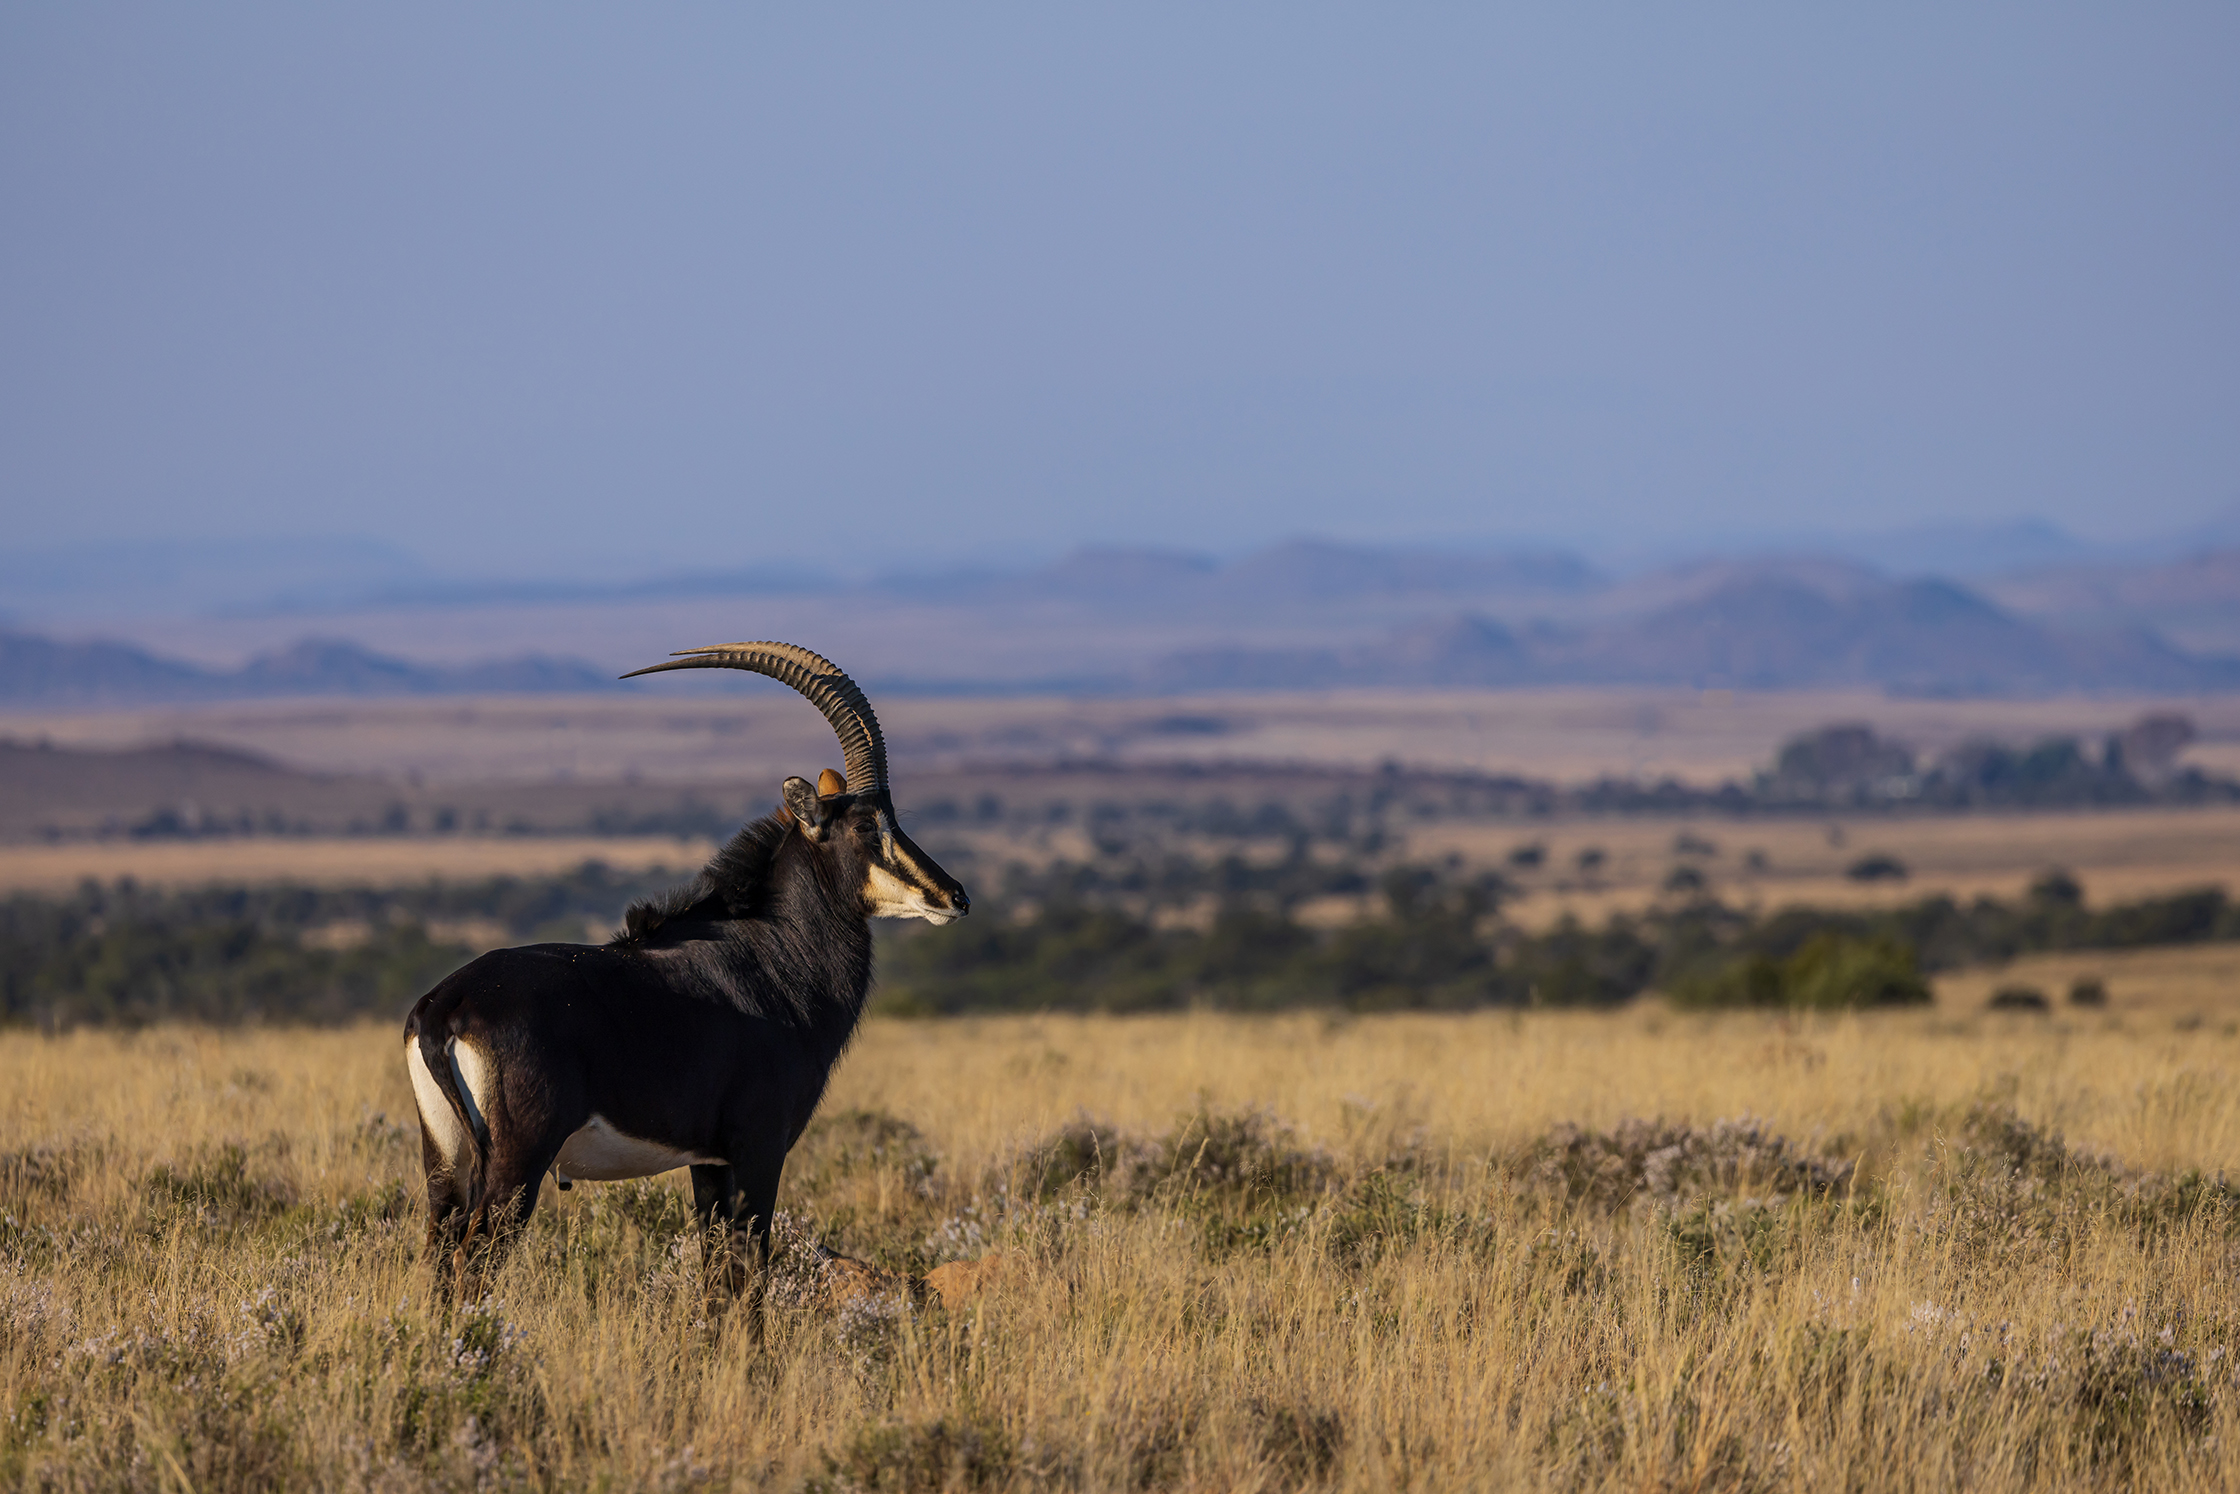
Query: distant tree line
pixel 1108 936
pixel 1849 766
pixel 1846 766
pixel 1438 942
pixel 125 953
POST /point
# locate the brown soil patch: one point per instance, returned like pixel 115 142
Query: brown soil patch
pixel 331 863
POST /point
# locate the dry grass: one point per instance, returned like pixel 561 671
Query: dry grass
pixel 2193 985
pixel 1355 1254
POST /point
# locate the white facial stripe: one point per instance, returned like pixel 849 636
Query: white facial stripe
pixel 888 896
pixel 884 891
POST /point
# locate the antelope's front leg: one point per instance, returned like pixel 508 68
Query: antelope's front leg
pixel 715 1200
pixel 756 1203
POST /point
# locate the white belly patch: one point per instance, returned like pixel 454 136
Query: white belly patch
pixel 598 1153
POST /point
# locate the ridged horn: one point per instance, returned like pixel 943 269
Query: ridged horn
pixel 821 682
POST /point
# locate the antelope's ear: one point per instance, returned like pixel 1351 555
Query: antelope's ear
pixel 830 783
pixel 801 799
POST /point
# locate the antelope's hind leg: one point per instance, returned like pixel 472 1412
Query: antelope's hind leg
pixel 509 1197
pixel 447 1156
pixel 526 1116
pixel 447 1207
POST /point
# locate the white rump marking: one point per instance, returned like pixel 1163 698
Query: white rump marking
pixel 436 1113
pixel 476 1081
pixel 598 1153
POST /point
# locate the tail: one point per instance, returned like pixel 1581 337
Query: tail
pixel 469 1134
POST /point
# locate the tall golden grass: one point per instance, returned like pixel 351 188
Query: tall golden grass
pixel 1927 1251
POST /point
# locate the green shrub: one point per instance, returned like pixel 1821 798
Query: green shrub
pixel 1831 970
pixel 1836 970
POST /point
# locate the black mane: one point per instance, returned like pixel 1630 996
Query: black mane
pixel 729 886
pixel 773 926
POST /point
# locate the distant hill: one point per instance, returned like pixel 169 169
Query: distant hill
pixel 67 790
pixel 1919 636
pixel 1316 570
pixel 1768 631
pixel 2195 600
pixel 45 671
pixel 192 790
pixel 41 671
pixel 1959 549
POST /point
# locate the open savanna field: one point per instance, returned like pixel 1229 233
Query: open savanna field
pixel 1924 1249
pixel 1757 863
pixel 1631 1247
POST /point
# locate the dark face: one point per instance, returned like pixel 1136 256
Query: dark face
pixel 899 880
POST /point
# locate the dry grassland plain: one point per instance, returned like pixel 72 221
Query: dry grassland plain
pixel 1757 864
pixel 1925 1251
pixel 1763 864
pixel 1565 735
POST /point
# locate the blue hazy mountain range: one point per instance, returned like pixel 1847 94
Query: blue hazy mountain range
pixel 1304 614
pixel 36 670
pixel 319 574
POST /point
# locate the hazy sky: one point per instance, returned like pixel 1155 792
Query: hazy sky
pixel 535 289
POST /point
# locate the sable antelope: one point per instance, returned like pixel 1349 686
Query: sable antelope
pixel 700 1036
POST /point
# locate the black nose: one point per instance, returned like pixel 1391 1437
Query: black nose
pixel 964 904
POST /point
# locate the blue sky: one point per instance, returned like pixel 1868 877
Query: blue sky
pixel 541 290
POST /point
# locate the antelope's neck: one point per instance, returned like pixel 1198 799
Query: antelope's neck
pixel 822 973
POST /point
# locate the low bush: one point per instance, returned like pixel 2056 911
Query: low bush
pixel 1829 971
pixel 1667 1164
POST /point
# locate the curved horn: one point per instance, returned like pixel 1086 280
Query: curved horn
pixel 821 682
